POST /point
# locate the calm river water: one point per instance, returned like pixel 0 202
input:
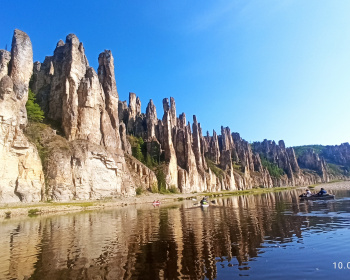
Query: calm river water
pixel 267 236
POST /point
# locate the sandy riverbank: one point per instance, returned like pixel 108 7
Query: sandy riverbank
pixel 344 185
pixel 20 209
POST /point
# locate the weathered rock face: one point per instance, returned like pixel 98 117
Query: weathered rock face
pixel 339 154
pixel 251 173
pixel 93 159
pixel 170 155
pixel 189 177
pixel 125 143
pixel 311 160
pixel 213 147
pixel 107 79
pixel 21 69
pixel 141 174
pixel 197 143
pixel 151 120
pixel 135 122
pixel 285 159
pixel 84 171
pixel 21 175
pixel 87 106
pixel 185 166
pixel 5 58
pixel 276 154
pixel 244 152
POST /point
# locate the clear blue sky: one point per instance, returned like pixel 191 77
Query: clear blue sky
pixel 274 69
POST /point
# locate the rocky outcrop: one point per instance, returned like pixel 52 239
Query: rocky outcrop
pixel 92 158
pixel 141 174
pixel 151 120
pixel 311 160
pixel 169 152
pixel 285 159
pixel 213 147
pixel 125 143
pixel 84 171
pixel 253 174
pixel 5 58
pixel 277 154
pixel 338 154
pixel 21 175
pixel 87 106
pixel 189 177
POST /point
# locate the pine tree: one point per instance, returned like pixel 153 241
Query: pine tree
pixel 34 111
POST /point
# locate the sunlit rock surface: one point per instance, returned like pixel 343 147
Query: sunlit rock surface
pixel 89 155
pixel 21 175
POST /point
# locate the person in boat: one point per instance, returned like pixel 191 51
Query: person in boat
pixel 308 193
pixel 204 201
pixel 322 192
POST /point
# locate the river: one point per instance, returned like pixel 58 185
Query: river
pixel 265 236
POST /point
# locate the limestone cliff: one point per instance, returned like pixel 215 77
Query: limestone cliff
pixel 315 170
pixel 332 162
pixel 85 104
pixel 88 154
pixel 21 175
pixel 217 162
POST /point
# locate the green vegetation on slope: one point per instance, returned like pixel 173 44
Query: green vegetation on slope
pixel 161 180
pixel 139 151
pixel 273 169
pixel 34 112
pixel 299 150
pixel 333 169
pixel 216 170
pixel 46 142
pixel 34 131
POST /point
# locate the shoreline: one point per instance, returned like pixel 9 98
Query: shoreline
pixel 9 210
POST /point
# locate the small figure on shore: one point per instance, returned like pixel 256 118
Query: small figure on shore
pixel 156 202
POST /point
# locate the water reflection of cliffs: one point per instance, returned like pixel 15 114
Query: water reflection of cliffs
pixel 170 243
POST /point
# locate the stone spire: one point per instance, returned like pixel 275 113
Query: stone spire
pixel 151 119
pixel 106 77
pixel 173 112
pixel 197 142
pixel 21 69
pixel 21 174
pixel 171 109
pixel 213 148
pixel 5 58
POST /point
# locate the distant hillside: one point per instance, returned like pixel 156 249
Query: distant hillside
pixel 337 157
pixel 300 150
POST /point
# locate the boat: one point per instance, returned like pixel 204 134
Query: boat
pixel 318 197
pixel 204 202
pixel 156 203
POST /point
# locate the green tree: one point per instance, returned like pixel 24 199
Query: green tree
pixel 34 111
pixel 137 153
pixel 161 180
pixel 273 169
